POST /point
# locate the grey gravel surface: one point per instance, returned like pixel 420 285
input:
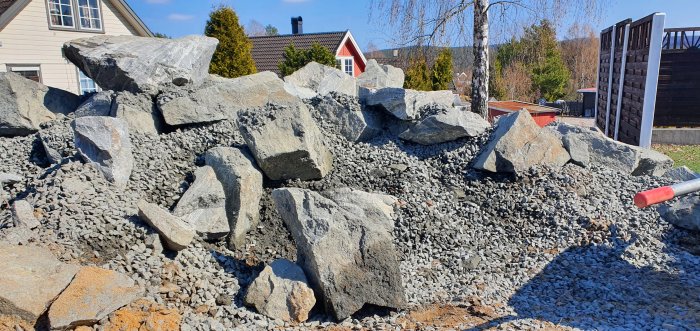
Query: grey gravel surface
pixel 562 246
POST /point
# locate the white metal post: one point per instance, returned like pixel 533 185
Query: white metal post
pixel 610 78
pixel 652 81
pixel 621 87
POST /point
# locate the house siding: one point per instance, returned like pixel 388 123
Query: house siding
pixel 349 50
pixel 27 39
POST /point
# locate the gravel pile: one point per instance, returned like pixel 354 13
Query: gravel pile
pixel 562 246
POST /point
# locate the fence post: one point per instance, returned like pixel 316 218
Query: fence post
pixel 652 81
pixel 610 78
pixel 621 87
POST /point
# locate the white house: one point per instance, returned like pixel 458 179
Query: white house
pixel 32 33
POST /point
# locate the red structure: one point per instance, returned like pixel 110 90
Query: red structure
pixel 541 114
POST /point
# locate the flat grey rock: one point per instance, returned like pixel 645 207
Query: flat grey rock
pixel 175 232
pixel 378 76
pixel 447 125
pixel 681 174
pixel 683 213
pixel 286 143
pixel 105 142
pixel 140 64
pixel 345 246
pixel 281 291
pixel 99 104
pixel 203 206
pixel 139 111
pixel 242 184
pixel 353 122
pixel 323 80
pixel 518 143
pixel 26 104
pixel 23 214
pixel 406 104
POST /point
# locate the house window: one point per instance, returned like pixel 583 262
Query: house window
pixel 32 72
pixel 89 13
pixel 63 14
pixel 87 85
pixel 346 64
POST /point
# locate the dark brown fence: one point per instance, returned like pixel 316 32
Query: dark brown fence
pixel 678 93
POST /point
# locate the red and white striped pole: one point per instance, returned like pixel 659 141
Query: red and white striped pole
pixel 665 193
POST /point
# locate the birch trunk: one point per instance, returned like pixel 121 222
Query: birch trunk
pixel 480 74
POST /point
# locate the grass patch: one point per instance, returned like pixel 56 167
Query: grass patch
pixel 688 156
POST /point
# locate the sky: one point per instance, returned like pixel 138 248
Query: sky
pixel 182 17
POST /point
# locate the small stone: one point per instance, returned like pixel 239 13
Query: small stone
pixel 23 214
pixel 176 233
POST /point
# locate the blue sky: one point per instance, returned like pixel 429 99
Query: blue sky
pixel 182 17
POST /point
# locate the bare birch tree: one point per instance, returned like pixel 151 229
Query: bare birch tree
pixel 424 23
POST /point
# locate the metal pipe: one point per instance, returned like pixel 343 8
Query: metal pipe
pixel 665 193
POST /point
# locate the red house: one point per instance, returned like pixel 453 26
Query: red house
pixel 268 50
pixel 542 115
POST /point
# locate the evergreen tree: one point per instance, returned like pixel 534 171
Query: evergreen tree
pixel 541 49
pixel 295 59
pixel 161 35
pixel 418 76
pixel 271 30
pixel 232 57
pixel 496 86
pixel 441 75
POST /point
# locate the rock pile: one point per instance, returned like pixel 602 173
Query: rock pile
pixel 205 203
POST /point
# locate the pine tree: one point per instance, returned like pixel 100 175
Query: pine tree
pixel 295 59
pixel 441 75
pixel 549 74
pixel 271 30
pixel 417 75
pixel 232 57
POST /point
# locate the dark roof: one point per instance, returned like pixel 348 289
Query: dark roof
pixel 268 50
pixel 4 4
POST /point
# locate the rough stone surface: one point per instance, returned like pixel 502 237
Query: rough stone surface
pixel 139 64
pixel 281 291
pixel 242 184
pixel 345 247
pixel 104 142
pixel 222 98
pixel 98 104
pixel 23 213
pixel 139 111
pixel 407 104
pixel 683 212
pixel 588 147
pixel 681 174
pixel 323 80
pixel 447 125
pixel 353 122
pixel 518 143
pixel 286 143
pixel 175 232
pixel 31 278
pixel 377 76
pixel 26 104
pixel 203 206
pixel 93 294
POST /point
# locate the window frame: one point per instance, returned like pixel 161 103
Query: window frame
pixel 343 60
pixel 80 83
pixel 75 15
pixel 27 67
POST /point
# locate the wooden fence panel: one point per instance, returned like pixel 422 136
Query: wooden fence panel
pixel 678 95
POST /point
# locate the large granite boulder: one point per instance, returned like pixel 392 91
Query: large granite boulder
pixel 681 174
pixel 139 111
pixel 323 80
pixel 203 206
pixel 518 143
pixel 377 76
pixel 242 183
pixel 222 98
pixel 407 104
pixel 30 280
pixel 98 104
pixel 176 234
pixel 589 147
pixel 683 213
pixel 446 125
pixel 105 143
pixel 93 294
pixel 286 142
pixel 281 291
pixel 26 104
pixel 139 64
pixel 345 246
pixel 347 116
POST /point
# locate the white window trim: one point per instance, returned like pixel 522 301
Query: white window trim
pixel 75 15
pixel 80 85
pixel 99 15
pixel 342 64
pixel 72 10
pixel 25 67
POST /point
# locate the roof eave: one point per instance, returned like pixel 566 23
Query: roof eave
pixel 11 12
pixel 133 19
pixel 348 36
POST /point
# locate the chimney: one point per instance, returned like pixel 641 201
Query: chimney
pixel 297 25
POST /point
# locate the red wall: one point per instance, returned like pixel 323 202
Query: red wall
pixel 349 50
pixel 542 119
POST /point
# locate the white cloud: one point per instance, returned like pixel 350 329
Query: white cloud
pixel 295 1
pixel 158 2
pixel 180 17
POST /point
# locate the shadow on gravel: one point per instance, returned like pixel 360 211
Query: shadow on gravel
pixel 593 287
